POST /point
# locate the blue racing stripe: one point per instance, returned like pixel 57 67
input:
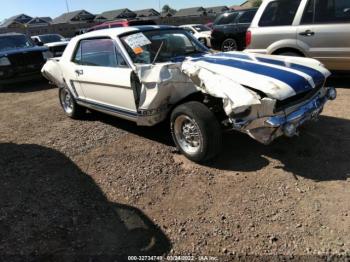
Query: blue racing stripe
pixel 316 75
pixel 295 81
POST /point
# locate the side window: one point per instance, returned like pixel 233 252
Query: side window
pixel 280 13
pixel 332 11
pixel 308 16
pixel 98 52
pixel 247 17
pixel 326 11
pixel 77 56
pixel 225 19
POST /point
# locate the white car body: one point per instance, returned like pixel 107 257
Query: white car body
pixel 205 35
pixel 251 88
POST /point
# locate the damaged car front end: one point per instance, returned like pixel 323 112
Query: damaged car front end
pixel 263 96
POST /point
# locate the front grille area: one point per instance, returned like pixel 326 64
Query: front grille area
pixel 294 100
pixel 24 59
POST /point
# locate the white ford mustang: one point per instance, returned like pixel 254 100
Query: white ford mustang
pixel 149 73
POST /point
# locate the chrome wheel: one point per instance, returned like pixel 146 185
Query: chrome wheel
pixel 67 101
pixel 229 45
pixel 188 134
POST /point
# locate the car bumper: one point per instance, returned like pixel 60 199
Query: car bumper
pixel 266 130
pixel 11 77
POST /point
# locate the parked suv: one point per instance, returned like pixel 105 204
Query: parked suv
pixel 229 30
pixel 313 28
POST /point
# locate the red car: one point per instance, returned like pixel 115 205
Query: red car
pixel 121 23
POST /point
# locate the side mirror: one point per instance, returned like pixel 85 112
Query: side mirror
pixel 40 44
pixel 347 10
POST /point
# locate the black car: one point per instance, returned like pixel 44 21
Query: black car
pixel 20 58
pixel 229 30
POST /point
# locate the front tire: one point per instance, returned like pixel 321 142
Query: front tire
pixel 196 131
pixel 69 105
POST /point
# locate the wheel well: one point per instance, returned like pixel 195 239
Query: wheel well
pixel 213 103
pixel 287 49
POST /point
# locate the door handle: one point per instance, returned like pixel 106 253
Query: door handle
pixel 79 72
pixel 307 33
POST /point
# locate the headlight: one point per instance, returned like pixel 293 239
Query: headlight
pixel 47 55
pixel 4 61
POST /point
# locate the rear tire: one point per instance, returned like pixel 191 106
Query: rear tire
pixel 196 131
pixel 229 44
pixel 69 105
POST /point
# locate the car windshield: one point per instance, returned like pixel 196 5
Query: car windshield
pixel 10 42
pixel 201 28
pixel 143 47
pixel 50 38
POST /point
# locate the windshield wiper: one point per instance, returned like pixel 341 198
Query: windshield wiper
pixel 158 52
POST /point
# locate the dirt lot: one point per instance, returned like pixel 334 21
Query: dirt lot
pixel 104 186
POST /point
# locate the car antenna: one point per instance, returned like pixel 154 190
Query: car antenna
pixel 158 52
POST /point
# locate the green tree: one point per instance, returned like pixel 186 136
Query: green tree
pixel 168 9
pixel 257 3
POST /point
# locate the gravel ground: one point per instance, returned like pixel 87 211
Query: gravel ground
pixel 103 186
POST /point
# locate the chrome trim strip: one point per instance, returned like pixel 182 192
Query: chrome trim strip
pixel 119 111
pixel 103 84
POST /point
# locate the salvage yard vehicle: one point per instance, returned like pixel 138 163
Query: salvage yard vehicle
pixel 55 42
pixel 229 30
pixel 318 29
pixel 20 59
pixel 149 73
pixel 201 32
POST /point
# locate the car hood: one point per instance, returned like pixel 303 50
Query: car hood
pixel 279 77
pixel 24 50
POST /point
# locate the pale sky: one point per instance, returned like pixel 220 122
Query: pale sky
pixel 54 8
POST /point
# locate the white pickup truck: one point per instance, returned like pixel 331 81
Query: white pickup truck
pixel 148 74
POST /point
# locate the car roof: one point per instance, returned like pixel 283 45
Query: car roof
pixel 240 11
pixel 10 34
pixel 45 35
pixel 123 30
pixel 191 25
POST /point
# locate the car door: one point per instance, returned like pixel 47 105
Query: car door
pixel 324 32
pixel 276 26
pixel 104 77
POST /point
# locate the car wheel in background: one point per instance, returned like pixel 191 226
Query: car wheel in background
pixel 229 45
pixel 196 131
pixel 69 105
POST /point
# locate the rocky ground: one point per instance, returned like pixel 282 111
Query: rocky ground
pixel 103 186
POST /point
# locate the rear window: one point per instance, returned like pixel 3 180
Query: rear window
pixel 280 13
pixel 326 11
pixel 227 18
